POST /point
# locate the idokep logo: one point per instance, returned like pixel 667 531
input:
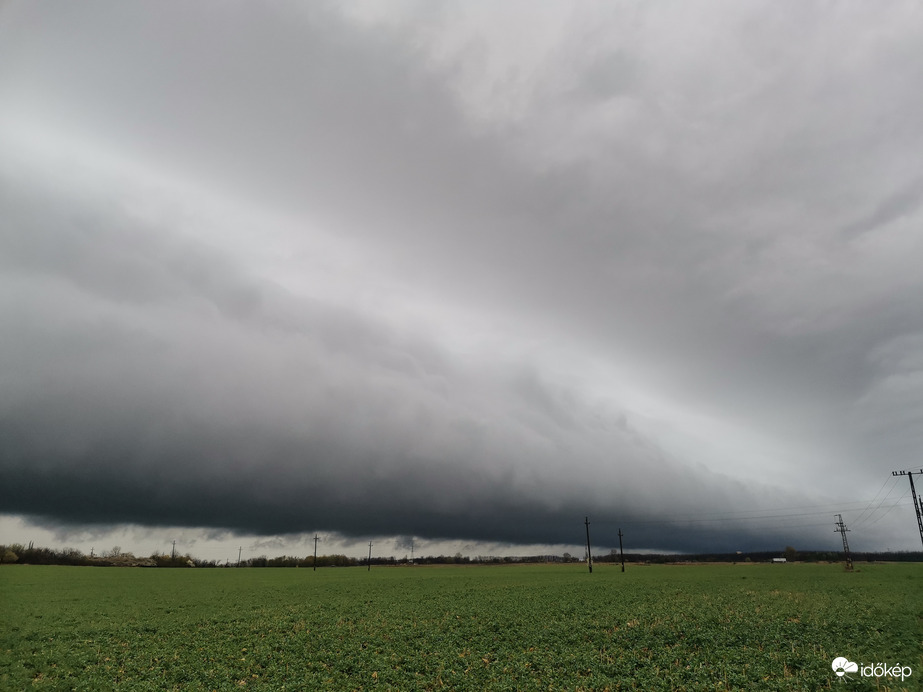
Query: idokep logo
pixel 841 666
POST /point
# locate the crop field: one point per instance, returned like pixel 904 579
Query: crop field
pixel 535 627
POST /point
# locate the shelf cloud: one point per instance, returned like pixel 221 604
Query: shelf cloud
pixel 463 272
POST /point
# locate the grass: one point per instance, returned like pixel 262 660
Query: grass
pixel 555 627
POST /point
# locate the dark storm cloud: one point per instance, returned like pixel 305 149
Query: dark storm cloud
pixel 188 394
pixel 725 222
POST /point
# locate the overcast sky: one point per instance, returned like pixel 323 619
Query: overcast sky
pixel 466 272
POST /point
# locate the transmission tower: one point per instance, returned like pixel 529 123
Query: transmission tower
pixel 917 504
pixel 841 529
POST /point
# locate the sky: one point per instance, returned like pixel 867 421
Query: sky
pixel 460 273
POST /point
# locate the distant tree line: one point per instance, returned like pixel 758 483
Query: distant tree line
pixel 114 557
pixel 766 556
pixel 28 555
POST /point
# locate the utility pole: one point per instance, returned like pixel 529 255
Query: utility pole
pixel 841 529
pixel 622 554
pixel 589 555
pixel 315 552
pixel 91 551
pixel 917 504
pixel 173 553
pixel 370 557
pixel 239 550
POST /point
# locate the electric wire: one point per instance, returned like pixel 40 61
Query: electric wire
pixel 893 481
pixel 899 502
pixel 867 515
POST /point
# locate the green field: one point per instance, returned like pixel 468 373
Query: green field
pixel 537 627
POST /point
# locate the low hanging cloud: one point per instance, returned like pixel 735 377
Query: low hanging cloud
pixel 199 396
pixel 404 273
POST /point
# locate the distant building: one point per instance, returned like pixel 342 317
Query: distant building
pixel 779 559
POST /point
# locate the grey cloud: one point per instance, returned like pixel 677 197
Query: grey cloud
pixel 895 206
pixel 667 197
pixel 259 425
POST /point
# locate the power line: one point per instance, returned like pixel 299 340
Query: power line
pixel 738 514
pixel 874 519
pixel 862 516
pixel 867 509
pixel 900 501
pixel 729 518
pixel 745 515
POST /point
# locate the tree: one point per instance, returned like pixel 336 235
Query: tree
pixel 790 553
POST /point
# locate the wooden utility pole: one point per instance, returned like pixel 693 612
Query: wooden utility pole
pixel 173 553
pixel 622 554
pixel 315 552
pixel 370 557
pixel 589 555
pixel 239 551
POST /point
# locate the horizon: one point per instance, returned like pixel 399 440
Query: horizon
pixel 117 553
pixel 460 273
